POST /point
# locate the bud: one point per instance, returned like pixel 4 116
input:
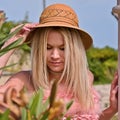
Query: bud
pixel 2 18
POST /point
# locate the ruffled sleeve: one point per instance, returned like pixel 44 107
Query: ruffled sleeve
pixel 93 114
pixel 83 117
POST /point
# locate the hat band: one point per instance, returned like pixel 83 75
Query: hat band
pixel 62 20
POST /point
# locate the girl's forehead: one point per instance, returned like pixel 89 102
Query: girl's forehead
pixel 55 36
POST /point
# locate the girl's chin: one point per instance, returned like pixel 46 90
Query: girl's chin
pixel 55 71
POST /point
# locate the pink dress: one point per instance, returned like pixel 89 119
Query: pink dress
pixel 75 109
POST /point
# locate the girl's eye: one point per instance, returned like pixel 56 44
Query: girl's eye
pixel 48 47
pixel 62 48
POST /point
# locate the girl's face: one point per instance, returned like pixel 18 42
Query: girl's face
pixel 55 52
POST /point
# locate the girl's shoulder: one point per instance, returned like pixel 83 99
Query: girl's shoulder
pixel 21 76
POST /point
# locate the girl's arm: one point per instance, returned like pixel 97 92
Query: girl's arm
pixel 108 113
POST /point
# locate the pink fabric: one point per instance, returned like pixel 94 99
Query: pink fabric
pixel 84 117
pixel 75 110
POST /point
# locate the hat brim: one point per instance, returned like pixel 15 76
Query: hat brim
pixel 86 38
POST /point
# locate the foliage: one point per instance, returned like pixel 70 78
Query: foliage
pixel 5 35
pixel 6 26
pixel 36 108
pixel 12 45
pixel 50 109
pixel 103 63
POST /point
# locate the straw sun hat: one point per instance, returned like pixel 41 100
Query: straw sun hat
pixel 62 15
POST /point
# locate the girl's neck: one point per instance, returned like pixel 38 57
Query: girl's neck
pixel 54 75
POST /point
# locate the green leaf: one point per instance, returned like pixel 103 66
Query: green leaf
pixel 2 36
pixel 11 46
pixel 45 105
pixel 36 103
pixel 23 114
pixel 40 106
pixel 2 68
pixel 11 34
pixel 45 116
pixel 5 115
pixel 69 105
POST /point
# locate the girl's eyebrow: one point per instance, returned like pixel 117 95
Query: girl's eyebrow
pixel 59 45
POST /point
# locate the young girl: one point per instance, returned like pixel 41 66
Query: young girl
pixel 58 52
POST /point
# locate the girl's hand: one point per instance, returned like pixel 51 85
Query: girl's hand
pixel 114 93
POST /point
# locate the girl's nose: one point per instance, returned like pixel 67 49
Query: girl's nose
pixel 55 54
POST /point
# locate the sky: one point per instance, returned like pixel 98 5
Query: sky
pixel 94 16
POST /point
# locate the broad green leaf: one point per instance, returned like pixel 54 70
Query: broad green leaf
pixel 40 106
pixel 5 115
pixel 45 105
pixel 36 102
pixel 23 114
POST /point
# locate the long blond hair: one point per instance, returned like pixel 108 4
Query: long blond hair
pixel 75 69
